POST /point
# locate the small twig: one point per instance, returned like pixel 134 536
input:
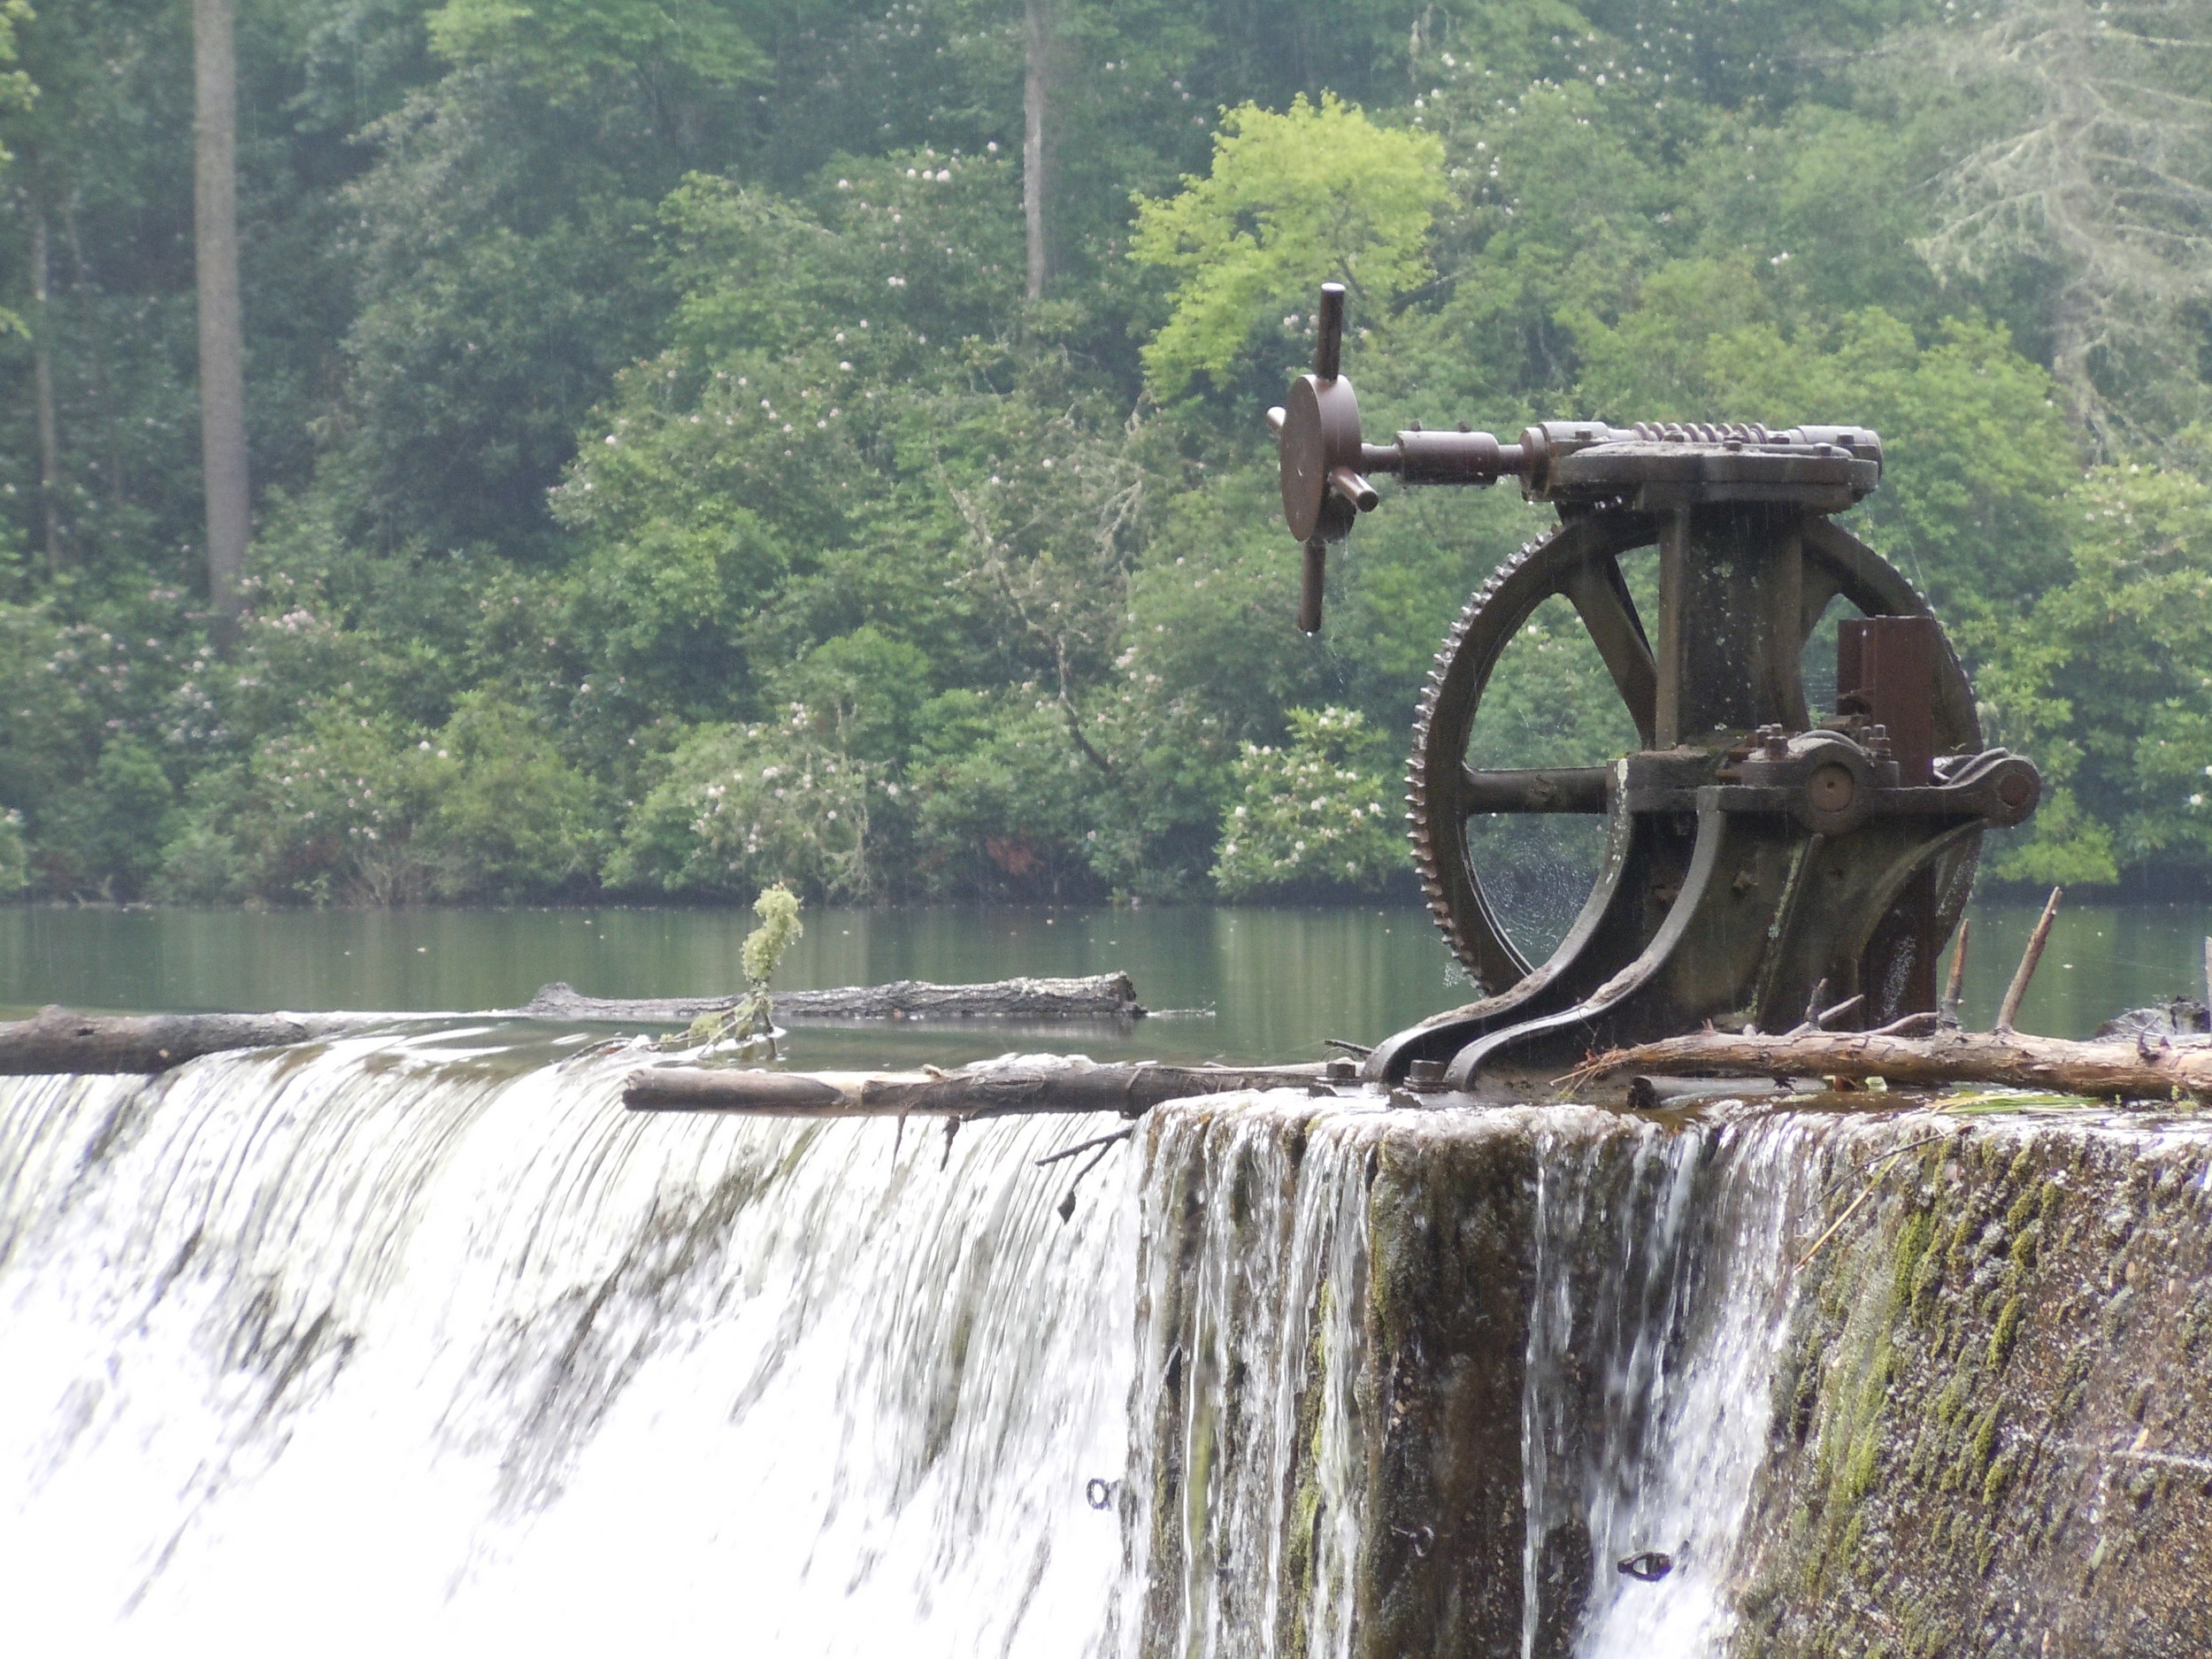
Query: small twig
pixel 1870 1168
pixel 1067 1204
pixel 1954 993
pixel 1880 1158
pixel 1816 1019
pixel 1836 1227
pixel 1084 1146
pixel 1837 1012
pixel 1910 1025
pixel 952 1128
pixel 2010 1008
pixel 1362 1050
pixel 1812 1007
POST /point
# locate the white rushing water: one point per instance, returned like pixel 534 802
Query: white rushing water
pixel 1268 1311
pixel 1661 1289
pixel 336 1349
pixel 416 1344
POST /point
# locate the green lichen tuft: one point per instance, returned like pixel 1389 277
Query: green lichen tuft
pixel 1983 1442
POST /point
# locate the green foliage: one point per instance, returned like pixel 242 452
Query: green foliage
pixel 564 46
pixel 749 1024
pixel 354 809
pixel 1320 193
pixel 15 859
pixel 1005 804
pixel 1310 814
pixel 668 486
pixel 738 804
pixel 778 908
pixel 2111 676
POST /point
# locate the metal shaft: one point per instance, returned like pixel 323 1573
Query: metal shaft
pixel 1328 345
pixel 1310 590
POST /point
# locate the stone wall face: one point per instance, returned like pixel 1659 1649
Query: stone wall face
pixel 1411 1382
pixel 1332 1326
pixel 1993 1429
pixel 1448 1219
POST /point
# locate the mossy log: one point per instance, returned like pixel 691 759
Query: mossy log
pixel 1100 997
pixel 992 1088
pixel 2141 1069
pixel 57 1040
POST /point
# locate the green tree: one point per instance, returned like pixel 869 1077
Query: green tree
pixel 564 46
pixel 1318 192
pixel 2109 683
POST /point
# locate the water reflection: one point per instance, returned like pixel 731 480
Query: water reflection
pixel 1276 981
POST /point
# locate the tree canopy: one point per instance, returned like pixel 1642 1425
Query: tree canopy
pixel 667 486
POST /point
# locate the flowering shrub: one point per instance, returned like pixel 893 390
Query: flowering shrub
pixel 1312 813
pixel 742 806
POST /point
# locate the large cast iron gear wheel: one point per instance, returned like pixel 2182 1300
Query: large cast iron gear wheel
pixel 1579 561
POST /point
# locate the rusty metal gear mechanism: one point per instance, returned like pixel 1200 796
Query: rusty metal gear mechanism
pixel 1756 861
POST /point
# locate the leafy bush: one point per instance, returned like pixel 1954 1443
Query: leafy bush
pixel 352 809
pixel 15 863
pixel 2108 685
pixel 1004 804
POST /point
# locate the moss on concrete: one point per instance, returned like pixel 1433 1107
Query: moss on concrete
pixel 1991 1427
pixel 2035 1475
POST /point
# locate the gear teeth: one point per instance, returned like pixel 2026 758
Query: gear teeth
pixel 1440 691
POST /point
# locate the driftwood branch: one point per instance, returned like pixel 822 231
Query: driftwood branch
pixel 1019 1083
pixel 2131 1071
pixel 59 1040
pixel 1101 996
pixel 2009 1009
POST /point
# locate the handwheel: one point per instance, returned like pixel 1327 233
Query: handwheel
pixel 1579 561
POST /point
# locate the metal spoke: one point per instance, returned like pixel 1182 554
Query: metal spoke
pixel 1600 599
pixel 1541 789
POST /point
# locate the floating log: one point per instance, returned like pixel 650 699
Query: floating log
pixel 992 1088
pixel 2141 1069
pixel 59 1040
pixel 1101 996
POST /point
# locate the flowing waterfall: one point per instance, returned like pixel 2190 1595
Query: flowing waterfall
pixel 1661 1293
pixel 430 1341
pixel 374 1343
pixel 1280 1412
pixel 1246 1470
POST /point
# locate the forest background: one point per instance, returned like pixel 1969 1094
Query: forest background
pixel 695 443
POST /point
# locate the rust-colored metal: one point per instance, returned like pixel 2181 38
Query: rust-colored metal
pixel 1754 854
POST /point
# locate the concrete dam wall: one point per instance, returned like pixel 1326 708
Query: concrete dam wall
pixel 1902 1384
pixel 424 1341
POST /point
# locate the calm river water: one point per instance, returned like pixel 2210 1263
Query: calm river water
pixel 1272 983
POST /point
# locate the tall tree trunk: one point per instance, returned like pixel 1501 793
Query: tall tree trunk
pixel 1036 90
pixel 42 384
pixel 222 337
